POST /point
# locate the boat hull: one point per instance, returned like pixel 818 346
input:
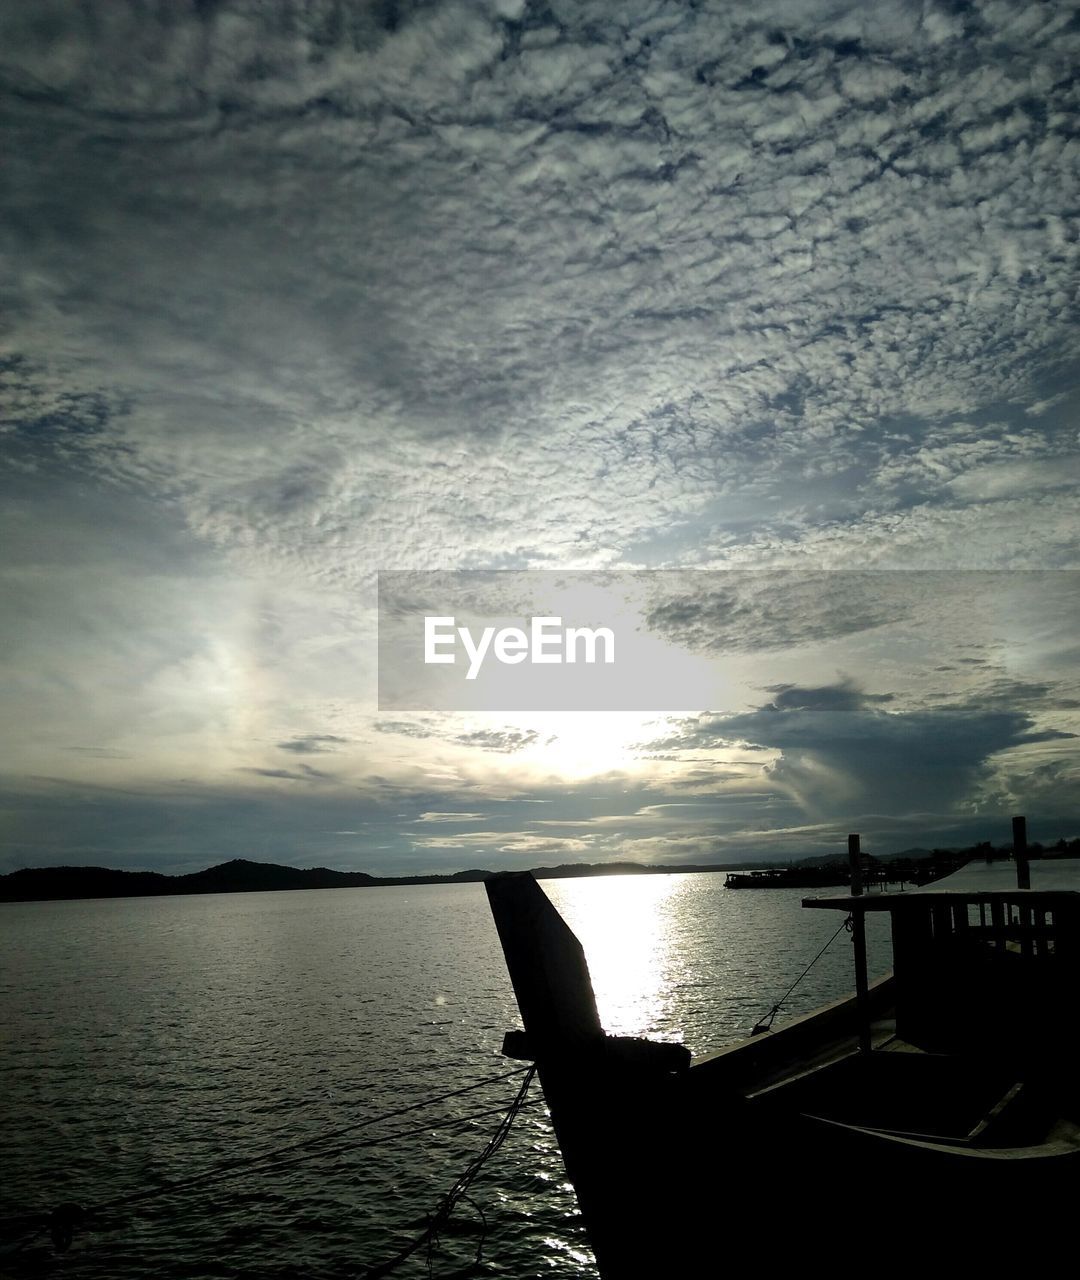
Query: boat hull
pixel 786 1135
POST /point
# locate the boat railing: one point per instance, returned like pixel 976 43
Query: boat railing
pixel 1023 925
pixel 983 968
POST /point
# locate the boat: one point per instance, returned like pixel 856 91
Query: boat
pixel 787 878
pixel 930 1119
pixel 899 872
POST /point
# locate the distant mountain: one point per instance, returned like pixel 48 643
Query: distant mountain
pixel 598 869
pixel 237 876
pixel 82 882
pixel 904 855
pixel 244 876
pixel 240 875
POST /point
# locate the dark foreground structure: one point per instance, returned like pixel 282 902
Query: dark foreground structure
pixel 931 1120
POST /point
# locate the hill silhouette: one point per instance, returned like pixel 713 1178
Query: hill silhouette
pixel 240 875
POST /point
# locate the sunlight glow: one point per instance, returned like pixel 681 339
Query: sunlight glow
pixel 582 744
pixel 626 925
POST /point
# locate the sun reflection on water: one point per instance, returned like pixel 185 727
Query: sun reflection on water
pixel 625 923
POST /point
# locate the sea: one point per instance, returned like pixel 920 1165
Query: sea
pixel 186 1066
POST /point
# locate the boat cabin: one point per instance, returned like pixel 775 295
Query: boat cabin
pixel 981 966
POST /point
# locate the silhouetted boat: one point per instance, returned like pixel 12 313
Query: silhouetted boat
pixel 787 878
pixel 930 1120
pixel 831 874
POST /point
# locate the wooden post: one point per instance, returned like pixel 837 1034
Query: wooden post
pixel 1023 869
pixel 858 941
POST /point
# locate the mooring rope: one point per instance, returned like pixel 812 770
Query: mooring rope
pixel 765 1023
pixel 446 1206
pixel 63 1220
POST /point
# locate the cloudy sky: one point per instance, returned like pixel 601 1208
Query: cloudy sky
pixel 298 292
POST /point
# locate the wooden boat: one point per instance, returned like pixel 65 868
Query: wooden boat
pixel 931 1119
pixel 787 878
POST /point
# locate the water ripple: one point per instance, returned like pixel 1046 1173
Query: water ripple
pixel 151 1039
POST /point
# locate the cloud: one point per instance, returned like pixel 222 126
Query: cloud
pixel 313 744
pixel 304 774
pixel 736 260
pixel 405 728
pixel 295 293
pixel 520 846
pixel 836 749
pixel 504 741
pixel 450 817
pixel 841 697
pixel 498 740
pixel 747 612
pixel 1009 479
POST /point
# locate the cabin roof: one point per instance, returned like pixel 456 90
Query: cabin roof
pixel 973 879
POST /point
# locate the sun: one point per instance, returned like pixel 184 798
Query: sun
pixel 581 744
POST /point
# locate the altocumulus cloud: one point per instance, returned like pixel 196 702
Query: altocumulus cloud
pixel 362 286
pixel 297 292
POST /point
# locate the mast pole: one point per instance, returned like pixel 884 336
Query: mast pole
pixel 1023 868
pixel 858 942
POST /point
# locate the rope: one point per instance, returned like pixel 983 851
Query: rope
pixel 765 1023
pixel 64 1218
pixel 446 1206
pixel 379 1141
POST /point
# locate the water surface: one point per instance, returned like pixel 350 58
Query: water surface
pixel 150 1039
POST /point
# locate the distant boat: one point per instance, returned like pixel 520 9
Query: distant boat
pixel 873 872
pixel 787 878
pixel 933 1119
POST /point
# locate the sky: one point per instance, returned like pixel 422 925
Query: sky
pixel 295 293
